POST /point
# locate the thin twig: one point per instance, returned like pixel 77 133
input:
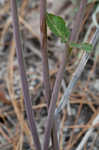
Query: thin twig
pixel 46 80
pixel 59 77
pixel 76 74
pixel 27 100
pixel 88 134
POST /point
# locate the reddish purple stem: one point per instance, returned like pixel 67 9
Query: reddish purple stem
pixel 27 100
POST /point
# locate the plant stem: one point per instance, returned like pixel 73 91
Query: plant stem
pixel 78 22
pixel 43 37
pixel 59 77
pixel 27 100
pixel 46 80
pixel 53 102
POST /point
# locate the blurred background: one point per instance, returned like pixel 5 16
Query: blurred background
pixel 84 100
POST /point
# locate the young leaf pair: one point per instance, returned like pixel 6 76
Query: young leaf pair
pixel 58 26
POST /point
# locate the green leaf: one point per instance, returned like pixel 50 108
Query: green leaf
pixel 84 46
pixel 58 27
pixel 87 47
pixel 75 45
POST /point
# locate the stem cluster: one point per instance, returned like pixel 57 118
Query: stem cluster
pixel 51 97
